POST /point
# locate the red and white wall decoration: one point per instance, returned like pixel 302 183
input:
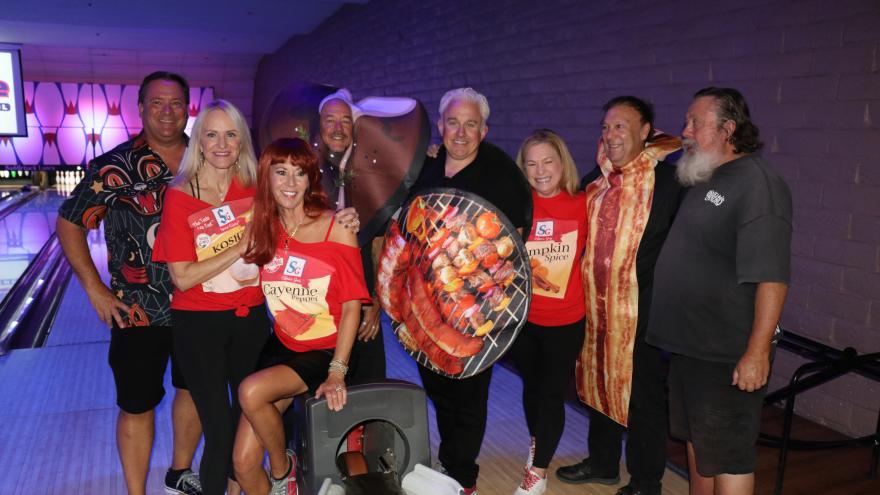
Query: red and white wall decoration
pixel 71 123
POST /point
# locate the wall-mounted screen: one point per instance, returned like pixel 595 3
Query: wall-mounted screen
pixel 12 111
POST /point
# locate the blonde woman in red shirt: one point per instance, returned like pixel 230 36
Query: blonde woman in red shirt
pixel 548 345
pixel 220 323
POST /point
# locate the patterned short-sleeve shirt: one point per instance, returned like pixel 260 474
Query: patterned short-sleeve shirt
pixel 125 188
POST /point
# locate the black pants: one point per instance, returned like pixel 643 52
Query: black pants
pixel 545 358
pixel 461 407
pixel 216 350
pixel 648 423
pixel 367 363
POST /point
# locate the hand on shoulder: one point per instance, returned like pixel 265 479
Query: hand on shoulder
pixel 339 233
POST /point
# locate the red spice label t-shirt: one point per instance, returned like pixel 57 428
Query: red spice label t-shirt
pixel 193 230
pixel 216 229
pixel 305 285
pixel 552 252
pixel 555 247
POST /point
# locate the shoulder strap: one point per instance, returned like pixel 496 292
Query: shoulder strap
pixel 327 235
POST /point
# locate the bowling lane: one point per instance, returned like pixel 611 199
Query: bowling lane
pixel 9 197
pixel 23 233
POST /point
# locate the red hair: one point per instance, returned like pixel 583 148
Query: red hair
pixel 266 221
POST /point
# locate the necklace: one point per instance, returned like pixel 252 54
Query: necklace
pixel 197 190
pixel 289 234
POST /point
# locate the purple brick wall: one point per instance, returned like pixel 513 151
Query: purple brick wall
pixel 810 71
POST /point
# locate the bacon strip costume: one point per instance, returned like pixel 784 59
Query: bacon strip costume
pixel 618 207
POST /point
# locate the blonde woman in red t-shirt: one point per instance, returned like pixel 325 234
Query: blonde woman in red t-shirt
pixel 312 277
pixel 548 345
pixel 220 324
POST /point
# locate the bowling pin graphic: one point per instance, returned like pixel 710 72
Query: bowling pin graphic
pixel 207 95
pixel 49 107
pixel 130 115
pixel 92 113
pixel 29 150
pixel 114 132
pixel 195 103
pixel 71 138
pixel 7 152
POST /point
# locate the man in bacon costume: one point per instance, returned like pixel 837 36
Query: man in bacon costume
pixel 630 207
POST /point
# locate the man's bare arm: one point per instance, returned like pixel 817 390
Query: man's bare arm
pixel 753 368
pixel 371 322
pixel 73 241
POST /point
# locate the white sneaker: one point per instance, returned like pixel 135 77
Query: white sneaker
pixel 532 484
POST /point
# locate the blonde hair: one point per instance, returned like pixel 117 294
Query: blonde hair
pixel 569 181
pixel 193 157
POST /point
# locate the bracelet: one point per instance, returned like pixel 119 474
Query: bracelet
pixel 338 366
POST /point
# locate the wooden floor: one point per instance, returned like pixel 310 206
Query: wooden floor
pixel 841 471
pixel 506 443
pixel 57 417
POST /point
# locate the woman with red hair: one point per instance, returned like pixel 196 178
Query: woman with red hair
pixel 312 277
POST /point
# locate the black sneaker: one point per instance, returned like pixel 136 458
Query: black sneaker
pixel 187 484
pixel 582 472
pixel 631 490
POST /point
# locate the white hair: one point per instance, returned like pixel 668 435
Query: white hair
pixel 696 166
pixel 465 94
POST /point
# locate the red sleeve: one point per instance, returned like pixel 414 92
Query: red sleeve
pixel 350 273
pixel 174 240
pixel 580 207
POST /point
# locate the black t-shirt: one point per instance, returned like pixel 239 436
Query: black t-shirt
pixel 667 197
pixel 731 233
pixel 492 175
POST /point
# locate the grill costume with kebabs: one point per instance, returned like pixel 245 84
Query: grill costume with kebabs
pixel 461 404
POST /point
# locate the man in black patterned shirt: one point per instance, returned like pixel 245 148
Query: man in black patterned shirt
pixel 125 188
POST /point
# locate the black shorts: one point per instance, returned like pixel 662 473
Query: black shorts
pixel 719 419
pixel 311 366
pixel 138 357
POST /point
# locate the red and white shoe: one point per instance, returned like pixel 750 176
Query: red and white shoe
pixel 286 485
pixel 531 457
pixel 470 490
pixel 532 484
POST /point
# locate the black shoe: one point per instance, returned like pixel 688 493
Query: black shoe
pixel 582 472
pixel 187 483
pixel 631 490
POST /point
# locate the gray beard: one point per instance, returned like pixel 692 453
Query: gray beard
pixel 696 167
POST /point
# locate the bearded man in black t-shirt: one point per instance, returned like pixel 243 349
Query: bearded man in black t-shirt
pixel 719 288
